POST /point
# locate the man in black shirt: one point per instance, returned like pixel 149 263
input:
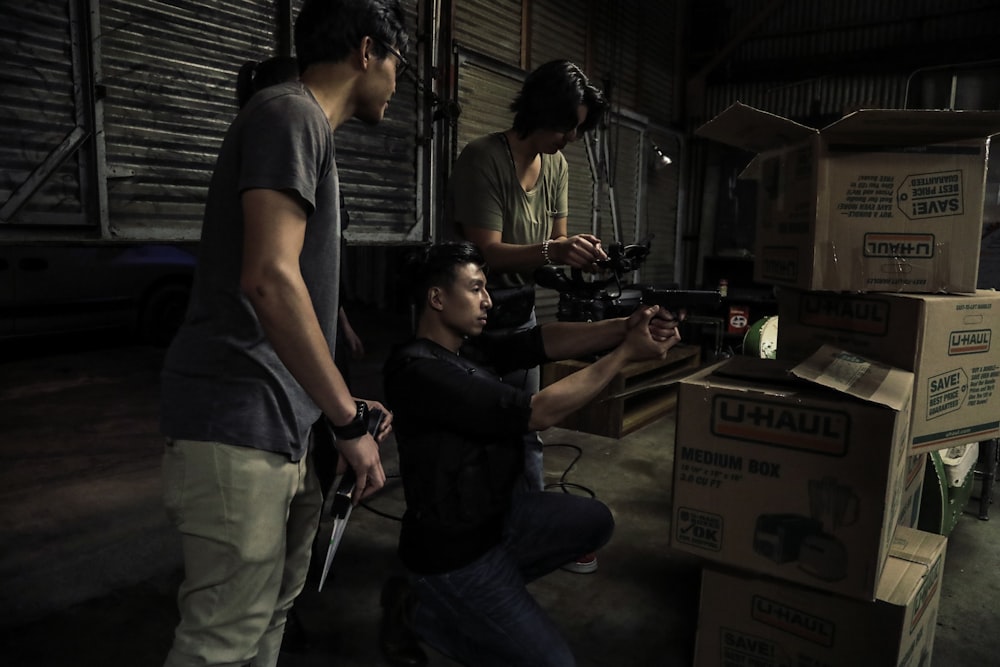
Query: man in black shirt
pixel 469 540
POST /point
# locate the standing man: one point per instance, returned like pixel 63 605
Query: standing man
pixel 470 544
pixel 509 194
pixel 251 370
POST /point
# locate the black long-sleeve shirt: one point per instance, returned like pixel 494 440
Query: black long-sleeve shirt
pixel 449 407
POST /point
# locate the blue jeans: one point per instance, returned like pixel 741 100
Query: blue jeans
pixel 482 614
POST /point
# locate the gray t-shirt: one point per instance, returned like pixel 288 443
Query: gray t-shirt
pixel 222 380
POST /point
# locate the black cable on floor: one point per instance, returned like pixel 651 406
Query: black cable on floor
pixel 563 484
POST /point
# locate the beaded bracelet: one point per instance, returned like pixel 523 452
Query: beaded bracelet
pixel 545 251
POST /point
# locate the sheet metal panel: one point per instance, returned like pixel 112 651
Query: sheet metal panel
pixel 379 168
pixel 491 27
pixel 558 32
pixel 170 73
pixel 38 111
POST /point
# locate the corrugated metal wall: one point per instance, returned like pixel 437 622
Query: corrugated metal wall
pixel 138 160
pixel 836 32
pixel 169 70
pixel 491 27
pixel 379 168
pixel 166 70
pixel 38 115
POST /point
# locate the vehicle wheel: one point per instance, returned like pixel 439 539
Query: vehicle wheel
pixel 162 313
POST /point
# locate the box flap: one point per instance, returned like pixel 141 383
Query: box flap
pixel 912 127
pixel 857 376
pixel 916 546
pixel 753 130
pixel 755 369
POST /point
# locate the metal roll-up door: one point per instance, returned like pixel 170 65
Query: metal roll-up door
pixel 40 130
pixel 490 27
pixel 378 166
pixel 558 32
pixel 485 92
pixel 167 69
pixel 616 50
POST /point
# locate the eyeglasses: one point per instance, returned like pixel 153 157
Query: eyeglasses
pixel 402 63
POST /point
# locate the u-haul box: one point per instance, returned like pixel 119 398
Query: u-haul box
pixel 748 620
pixel 945 340
pixel 880 200
pixel 788 477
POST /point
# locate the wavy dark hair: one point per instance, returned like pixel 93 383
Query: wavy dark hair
pixel 434 266
pixel 254 76
pixel 550 97
pixel 327 30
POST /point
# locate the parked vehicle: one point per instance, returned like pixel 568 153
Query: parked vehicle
pixel 54 288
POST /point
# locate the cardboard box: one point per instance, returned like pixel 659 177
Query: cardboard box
pixel 880 200
pixel 945 340
pixel 913 490
pixel 745 620
pixel 783 475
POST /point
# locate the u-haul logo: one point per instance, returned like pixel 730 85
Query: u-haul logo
pixel 793 621
pixel 933 195
pixel 969 342
pixel 776 424
pixel 851 314
pixel 899 246
pixel 780 264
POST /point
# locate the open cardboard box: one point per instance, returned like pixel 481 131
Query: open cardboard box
pixel 880 200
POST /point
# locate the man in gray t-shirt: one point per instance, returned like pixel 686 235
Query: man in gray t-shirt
pixel 251 370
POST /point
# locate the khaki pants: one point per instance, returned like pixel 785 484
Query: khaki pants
pixel 247 520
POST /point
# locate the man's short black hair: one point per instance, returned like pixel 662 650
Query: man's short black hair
pixel 327 30
pixel 435 266
pixel 550 97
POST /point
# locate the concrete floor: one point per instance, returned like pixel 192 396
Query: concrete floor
pixel 89 566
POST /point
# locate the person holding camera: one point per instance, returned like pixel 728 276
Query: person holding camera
pixel 251 370
pixel 509 195
pixel 469 541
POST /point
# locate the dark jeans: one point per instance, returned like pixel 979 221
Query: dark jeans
pixel 482 614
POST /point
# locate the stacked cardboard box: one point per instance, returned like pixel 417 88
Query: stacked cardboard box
pixel 887 203
pixel 795 472
pixel 881 200
pixel 752 620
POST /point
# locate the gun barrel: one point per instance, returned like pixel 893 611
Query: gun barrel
pixel 675 299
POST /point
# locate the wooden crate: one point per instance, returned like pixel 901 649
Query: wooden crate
pixel 638 395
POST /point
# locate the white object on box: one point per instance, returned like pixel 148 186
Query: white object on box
pixel 958 461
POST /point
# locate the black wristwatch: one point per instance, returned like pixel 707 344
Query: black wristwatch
pixel 355 428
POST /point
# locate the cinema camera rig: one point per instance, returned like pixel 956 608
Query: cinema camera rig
pixel 583 300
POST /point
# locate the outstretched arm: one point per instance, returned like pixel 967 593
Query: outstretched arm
pixel 641 341
pixel 570 340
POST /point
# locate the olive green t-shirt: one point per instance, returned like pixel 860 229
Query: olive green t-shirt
pixel 484 192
